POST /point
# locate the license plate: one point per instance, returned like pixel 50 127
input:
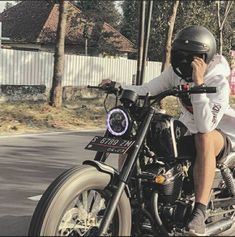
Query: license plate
pixel 110 145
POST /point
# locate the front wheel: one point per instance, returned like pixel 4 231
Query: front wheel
pixel 74 204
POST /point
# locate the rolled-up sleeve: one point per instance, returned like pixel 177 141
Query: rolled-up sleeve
pixel 158 84
pixel 208 109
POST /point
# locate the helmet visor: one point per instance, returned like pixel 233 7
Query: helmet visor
pixel 186 57
pixel 181 63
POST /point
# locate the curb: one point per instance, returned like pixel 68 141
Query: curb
pixel 53 132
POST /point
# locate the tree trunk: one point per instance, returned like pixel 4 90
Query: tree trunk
pixel 167 54
pixel 171 23
pixel 220 41
pixel 221 24
pixel 56 90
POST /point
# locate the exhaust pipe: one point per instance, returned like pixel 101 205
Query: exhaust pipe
pixel 219 227
pixel 223 202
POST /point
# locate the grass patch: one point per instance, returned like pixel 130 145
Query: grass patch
pixel 25 117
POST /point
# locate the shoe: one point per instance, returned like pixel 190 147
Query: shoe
pixel 196 226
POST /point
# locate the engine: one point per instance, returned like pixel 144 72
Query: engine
pixel 170 179
pixel 178 213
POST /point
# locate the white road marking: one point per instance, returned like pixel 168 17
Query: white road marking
pixel 35 198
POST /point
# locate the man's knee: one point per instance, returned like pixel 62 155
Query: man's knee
pixel 203 138
pixel 212 140
pixel 204 143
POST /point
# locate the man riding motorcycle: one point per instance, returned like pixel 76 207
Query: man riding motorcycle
pixel 208 117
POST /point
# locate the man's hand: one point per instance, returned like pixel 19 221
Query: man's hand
pixel 105 82
pixel 110 85
pixel 199 68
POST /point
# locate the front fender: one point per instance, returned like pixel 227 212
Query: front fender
pixel 102 167
pixel 105 168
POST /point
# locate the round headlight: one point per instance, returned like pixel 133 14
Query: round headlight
pixel 117 122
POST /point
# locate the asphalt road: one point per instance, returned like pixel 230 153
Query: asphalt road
pixel 28 164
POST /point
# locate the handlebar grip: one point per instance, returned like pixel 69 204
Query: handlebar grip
pixel 211 89
pixel 94 87
pixel 108 88
pixel 200 90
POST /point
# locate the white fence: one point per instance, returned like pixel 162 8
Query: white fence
pixel 36 68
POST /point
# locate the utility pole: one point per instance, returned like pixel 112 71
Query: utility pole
pixel 146 39
pixel 140 41
pixel 143 38
pixel 86 46
pixel 86 36
pixel 0 35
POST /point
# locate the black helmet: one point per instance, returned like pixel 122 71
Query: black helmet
pixel 189 42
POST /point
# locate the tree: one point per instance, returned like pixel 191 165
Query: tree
pixel 171 23
pixel 96 13
pixel 130 22
pixel 197 12
pixel 161 14
pixel 200 12
pixel 8 5
pixel 222 15
pixel 162 10
pixel 100 11
pixel 56 90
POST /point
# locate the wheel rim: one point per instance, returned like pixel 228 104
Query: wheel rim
pixel 85 212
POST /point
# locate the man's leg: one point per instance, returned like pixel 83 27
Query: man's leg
pixel 208 146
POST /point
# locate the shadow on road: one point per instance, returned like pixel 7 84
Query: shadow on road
pixel 9 225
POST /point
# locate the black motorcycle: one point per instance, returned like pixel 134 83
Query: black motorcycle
pixel 153 192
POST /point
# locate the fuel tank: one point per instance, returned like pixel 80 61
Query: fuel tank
pixel 166 135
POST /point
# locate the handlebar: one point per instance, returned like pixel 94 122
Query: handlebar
pixel 177 91
pixel 111 88
pixel 200 90
pixel 94 87
pixel 181 90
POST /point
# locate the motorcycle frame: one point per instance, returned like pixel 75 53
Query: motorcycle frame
pixel 125 172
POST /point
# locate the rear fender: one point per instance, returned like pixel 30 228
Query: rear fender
pixel 105 168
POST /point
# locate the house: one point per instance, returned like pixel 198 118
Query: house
pixel 31 25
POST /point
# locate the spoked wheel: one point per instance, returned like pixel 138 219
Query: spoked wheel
pixel 83 216
pixel 74 205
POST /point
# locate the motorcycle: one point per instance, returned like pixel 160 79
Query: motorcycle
pixel 153 192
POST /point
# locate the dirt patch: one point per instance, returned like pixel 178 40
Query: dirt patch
pixel 25 117
pixel 35 117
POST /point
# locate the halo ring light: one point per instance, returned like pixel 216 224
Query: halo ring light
pixel 117 122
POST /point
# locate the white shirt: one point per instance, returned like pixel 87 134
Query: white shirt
pixel 210 111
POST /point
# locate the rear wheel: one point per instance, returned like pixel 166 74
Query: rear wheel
pixel 74 205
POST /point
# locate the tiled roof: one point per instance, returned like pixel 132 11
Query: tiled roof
pixel 119 39
pixel 25 20
pixel 36 21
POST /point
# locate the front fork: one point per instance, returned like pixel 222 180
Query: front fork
pixel 124 175
pixel 102 156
